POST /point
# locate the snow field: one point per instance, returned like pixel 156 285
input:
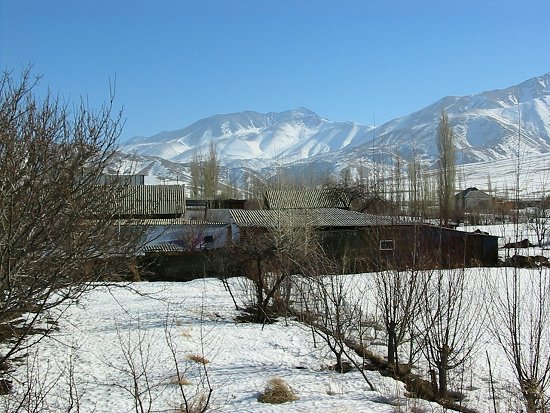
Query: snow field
pixel 112 332
pixel 111 329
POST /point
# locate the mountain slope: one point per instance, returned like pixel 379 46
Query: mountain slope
pixel 486 125
pixel 253 138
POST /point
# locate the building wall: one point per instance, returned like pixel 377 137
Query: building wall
pixel 419 246
pixel 150 201
pixel 181 266
pixel 189 237
pixel 354 250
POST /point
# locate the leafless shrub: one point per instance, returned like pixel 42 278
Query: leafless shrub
pixel 196 399
pixel 40 383
pixel 57 232
pixel 136 347
pixel 270 257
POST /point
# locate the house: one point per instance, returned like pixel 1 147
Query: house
pixel 197 208
pixel 363 242
pixel 474 200
pixel 183 248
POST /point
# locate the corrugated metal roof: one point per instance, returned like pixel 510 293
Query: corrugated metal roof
pixel 164 247
pixel 303 199
pixel 146 200
pixel 472 192
pixel 319 218
pixel 169 222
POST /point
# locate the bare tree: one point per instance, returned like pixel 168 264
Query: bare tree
pixel 414 180
pixel 205 173
pixel 196 174
pixel 521 324
pixel 538 219
pixel 397 192
pixel 334 310
pixel 211 172
pixel 446 167
pixel 399 296
pixel 449 327
pixel 57 226
pixel 270 255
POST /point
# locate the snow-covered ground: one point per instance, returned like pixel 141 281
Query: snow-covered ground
pixel 114 332
pixel 114 335
pixel 510 233
pixel 116 343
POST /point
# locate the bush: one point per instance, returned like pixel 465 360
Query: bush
pixel 277 391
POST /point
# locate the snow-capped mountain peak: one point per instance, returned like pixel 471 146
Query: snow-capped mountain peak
pixel 252 137
pixel 486 126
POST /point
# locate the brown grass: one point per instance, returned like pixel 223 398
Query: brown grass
pixel 199 404
pixel 197 358
pixel 180 381
pixel 277 391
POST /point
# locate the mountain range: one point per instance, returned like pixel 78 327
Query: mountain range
pixel 489 126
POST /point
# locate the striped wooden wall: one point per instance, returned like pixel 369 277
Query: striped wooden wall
pixel 150 200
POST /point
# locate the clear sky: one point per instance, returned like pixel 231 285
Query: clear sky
pixel 177 61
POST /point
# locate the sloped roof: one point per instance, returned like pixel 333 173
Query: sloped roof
pixel 303 199
pixel 472 192
pixel 161 222
pixel 319 218
pixel 164 247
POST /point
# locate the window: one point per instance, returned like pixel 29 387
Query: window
pixel 386 245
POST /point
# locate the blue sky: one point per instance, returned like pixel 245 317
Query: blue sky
pixel 176 62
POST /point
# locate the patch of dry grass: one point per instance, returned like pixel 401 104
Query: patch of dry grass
pixel 277 391
pixel 197 358
pixel 199 404
pixel 180 381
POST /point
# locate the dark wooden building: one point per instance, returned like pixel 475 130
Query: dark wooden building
pixel 362 242
pixel 354 241
pixel 409 245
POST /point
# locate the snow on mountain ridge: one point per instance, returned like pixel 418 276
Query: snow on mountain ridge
pixel 249 135
pixel 486 125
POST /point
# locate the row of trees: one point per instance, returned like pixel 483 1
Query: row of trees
pixel 432 318
pixel 372 192
pixel 402 188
